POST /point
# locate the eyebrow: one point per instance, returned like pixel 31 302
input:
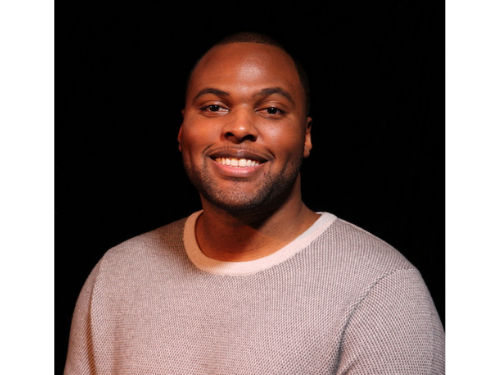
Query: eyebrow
pixel 276 90
pixel 264 92
pixel 210 90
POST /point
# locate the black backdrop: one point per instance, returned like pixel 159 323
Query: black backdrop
pixel 377 81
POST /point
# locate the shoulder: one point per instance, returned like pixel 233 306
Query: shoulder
pixel 145 250
pixel 355 246
pixel 167 234
pixel 137 265
pixel 347 255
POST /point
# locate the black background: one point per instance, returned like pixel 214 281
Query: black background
pixel 377 82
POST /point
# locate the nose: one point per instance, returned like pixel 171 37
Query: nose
pixel 240 126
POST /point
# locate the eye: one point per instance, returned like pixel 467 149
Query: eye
pixel 214 108
pixel 272 112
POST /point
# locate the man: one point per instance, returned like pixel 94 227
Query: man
pixel 255 283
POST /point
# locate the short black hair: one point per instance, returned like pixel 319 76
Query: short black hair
pixel 254 37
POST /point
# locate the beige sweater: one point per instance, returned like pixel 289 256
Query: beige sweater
pixel 336 300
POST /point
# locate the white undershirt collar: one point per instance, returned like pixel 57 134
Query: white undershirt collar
pixel 219 267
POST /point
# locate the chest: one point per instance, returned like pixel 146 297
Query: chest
pixel 222 325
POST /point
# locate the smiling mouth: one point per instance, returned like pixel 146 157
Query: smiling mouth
pixel 237 162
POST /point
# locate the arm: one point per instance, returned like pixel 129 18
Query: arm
pixel 395 329
pixel 80 359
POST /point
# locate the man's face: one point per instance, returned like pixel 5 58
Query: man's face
pixel 245 130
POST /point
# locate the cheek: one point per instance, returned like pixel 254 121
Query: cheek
pixel 196 136
pixel 287 140
pixel 194 142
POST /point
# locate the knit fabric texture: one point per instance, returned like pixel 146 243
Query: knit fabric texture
pixel 339 301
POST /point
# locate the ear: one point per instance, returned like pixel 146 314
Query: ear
pixel 179 135
pixel 179 138
pixel 307 141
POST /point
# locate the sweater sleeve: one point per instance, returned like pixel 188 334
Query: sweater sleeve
pixel 395 329
pixel 80 359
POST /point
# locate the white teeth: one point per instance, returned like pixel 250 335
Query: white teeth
pixel 241 163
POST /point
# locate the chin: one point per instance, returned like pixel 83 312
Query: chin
pixel 236 203
pixel 271 194
pixel 267 199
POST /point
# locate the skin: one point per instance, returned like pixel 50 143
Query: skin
pixel 245 100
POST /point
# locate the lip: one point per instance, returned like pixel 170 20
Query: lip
pixel 238 154
pixel 228 171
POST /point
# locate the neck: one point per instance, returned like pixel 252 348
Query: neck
pixel 242 237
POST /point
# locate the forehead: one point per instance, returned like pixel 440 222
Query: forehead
pixel 249 66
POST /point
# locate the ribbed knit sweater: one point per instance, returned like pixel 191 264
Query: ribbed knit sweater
pixel 336 300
